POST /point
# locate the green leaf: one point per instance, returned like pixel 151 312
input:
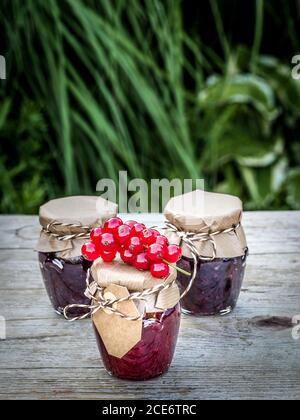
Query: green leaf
pixel 260 154
pixel 239 89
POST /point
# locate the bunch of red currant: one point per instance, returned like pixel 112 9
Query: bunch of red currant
pixel 145 249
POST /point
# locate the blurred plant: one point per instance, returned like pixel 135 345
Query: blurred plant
pixel 114 85
pixel 248 117
pixel 23 161
pixel 247 121
pixel 110 102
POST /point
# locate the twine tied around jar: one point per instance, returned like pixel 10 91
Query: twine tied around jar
pixel 96 293
pixel 84 234
pixel 189 238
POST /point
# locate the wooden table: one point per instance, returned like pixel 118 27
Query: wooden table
pixel 249 354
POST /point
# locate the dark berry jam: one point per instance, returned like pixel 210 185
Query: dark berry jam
pixel 216 287
pixel 153 355
pixel 65 281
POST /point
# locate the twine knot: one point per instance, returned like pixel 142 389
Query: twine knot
pixel 84 234
pixel 190 237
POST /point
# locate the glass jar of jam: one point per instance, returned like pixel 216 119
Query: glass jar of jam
pixel 137 342
pixel 208 226
pixel 152 356
pixel 66 224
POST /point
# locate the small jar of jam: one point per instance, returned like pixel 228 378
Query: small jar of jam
pixel 66 224
pixel 208 227
pixel 140 344
pixel 152 355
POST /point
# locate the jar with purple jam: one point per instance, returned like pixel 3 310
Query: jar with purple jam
pixel 136 338
pixel 214 250
pixel 152 355
pixel 66 224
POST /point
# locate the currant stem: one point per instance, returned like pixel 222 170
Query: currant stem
pixel 186 273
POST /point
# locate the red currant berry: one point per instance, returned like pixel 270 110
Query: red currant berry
pixel 111 225
pixel 173 253
pixel 138 228
pixel 90 251
pixel 123 234
pixel 160 270
pixel 130 223
pixel 126 256
pixel 141 261
pixel 155 252
pixel 149 236
pixel 108 243
pixel 96 234
pixel 135 245
pixel 108 256
pixel 162 240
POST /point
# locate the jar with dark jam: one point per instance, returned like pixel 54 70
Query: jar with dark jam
pixel 64 280
pixel 208 225
pixel 153 355
pixel 138 341
pixel 216 288
pixel 66 224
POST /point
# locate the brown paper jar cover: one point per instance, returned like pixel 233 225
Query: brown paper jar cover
pixel 87 211
pixel 205 212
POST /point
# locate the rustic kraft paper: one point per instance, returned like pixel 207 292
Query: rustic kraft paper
pixel 86 211
pixel 118 280
pixel 168 298
pixel 134 280
pixel 118 334
pixel 204 212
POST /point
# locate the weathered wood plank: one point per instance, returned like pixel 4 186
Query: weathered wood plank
pixel 201 383
pixel 19 270
pixel 202 343
pixel 18 232
pixel 65 361
pixel 266 231
pixel 228 327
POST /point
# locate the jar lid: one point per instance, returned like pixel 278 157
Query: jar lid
pixel 66 222
pixel 199 210
pixel 214 218
pixel 81 210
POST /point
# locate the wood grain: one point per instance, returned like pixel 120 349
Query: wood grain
pixel 249 354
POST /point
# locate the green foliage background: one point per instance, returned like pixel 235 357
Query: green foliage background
pixel 161 88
